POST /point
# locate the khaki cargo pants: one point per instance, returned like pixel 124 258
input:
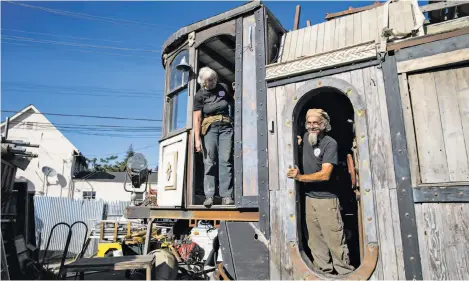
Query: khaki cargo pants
pixel 326 237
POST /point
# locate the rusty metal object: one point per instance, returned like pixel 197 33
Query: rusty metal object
pixel 353 11
pixel 351 170
pixel 367 266
pixel 221 272
pixel 137 212
pixel 425 39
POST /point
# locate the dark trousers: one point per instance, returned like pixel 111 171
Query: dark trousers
pixel 218 159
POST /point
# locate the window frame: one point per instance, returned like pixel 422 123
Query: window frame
pixel 92 197
pixel 170 94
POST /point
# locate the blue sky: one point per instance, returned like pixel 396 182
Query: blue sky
pixel 125 81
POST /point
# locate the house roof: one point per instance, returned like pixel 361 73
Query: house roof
pixel 108 176
pixel 31 109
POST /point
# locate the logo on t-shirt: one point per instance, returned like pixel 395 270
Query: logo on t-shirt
pixel 317 151
pixel 221 93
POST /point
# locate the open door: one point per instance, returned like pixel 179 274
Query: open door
pixel 171 172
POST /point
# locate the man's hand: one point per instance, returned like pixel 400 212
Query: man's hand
pixel 293 173
pixel 198 146
pixel 299 140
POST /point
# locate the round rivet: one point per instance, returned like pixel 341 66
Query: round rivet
pixel 409 236
pixel 412 258
pixel 367 190
pixel 406 214
pixel 403 178
pixel 369 218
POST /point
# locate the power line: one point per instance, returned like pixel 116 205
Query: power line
pixel 88 16
pixel 79 88
pixel 84 94
pixel 85 125
pixel 73 37
pixel 119 153
pixel 81 51
pixel 53 42
pixel 88 116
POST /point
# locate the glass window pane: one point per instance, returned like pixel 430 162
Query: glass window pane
pixel 178 78
pixel 178 111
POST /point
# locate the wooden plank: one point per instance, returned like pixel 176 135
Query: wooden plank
pixel 320 38
pixel 447 25
pixel 340 33
pixel 306 42
pixel 397 234
pixel 462 77
pixel 443 234
pixel 276 228
pixel 296 22
pixel 409 129
pixel 249 112
pixel 428 130
pixel 273 135
pixel 379 23
pixel 281 96
pixel 313 40
pixel 299 43
pixel 357 28
pixel 386 133
pixel 373 24
pixel 387 247
pixel 438 60
pixel 375 129
pixel 286 47
pixel 456 155
pixel 349 31
pixel 366 20
pixel 293 45
pixel 440 5
pixel 329 35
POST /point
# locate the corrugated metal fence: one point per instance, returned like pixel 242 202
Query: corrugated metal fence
pixel 52 210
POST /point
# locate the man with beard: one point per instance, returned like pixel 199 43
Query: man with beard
pixel 324 223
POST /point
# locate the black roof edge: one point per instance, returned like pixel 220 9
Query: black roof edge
pixel 173 41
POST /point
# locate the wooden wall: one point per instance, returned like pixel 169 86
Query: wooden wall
pixel 439 104
pixel 436 114
pixel 345 31
pixel 369 83
pixel 444 240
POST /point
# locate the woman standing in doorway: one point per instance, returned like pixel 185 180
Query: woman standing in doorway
pixel 213 128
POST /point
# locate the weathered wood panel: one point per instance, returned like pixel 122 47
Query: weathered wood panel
pixel 283 197
pixel 285 47
pixel 276 227
pixel 249 111
pixel 348 30
pixel 306 42
pixel 462 78
pixel 299 43
pixel 320 38
pixel 409 129
pixel 458 167
pixel 444 240
pixel 430 143
pixel 329 35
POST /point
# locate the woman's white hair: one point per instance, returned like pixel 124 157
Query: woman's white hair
pixel 206 73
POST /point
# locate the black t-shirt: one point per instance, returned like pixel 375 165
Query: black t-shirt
pixel 219 100
pixel 325 151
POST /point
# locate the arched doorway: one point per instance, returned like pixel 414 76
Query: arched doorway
pixel 351 121
pixel 341 112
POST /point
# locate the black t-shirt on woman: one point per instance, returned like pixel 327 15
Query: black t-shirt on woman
pixel 215 101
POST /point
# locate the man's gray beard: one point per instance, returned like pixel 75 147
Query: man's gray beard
pixel 312 138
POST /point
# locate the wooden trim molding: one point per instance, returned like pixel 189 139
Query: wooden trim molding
pixel 438 60
pixel 327 60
